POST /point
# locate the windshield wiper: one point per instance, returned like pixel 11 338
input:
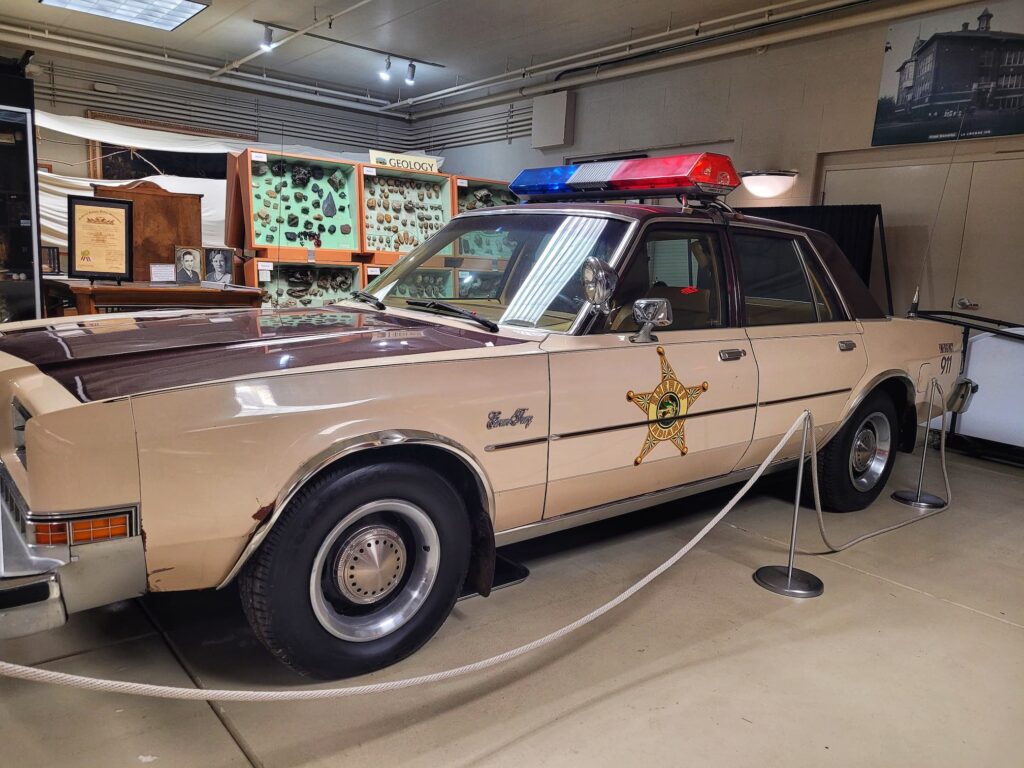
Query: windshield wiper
pixel 444 306
pixel 369 298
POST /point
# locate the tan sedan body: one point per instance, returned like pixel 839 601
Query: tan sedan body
pixel 200 427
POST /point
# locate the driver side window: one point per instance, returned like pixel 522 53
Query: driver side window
pixel 682 266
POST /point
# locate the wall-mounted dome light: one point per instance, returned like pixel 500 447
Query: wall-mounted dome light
pixel 768 183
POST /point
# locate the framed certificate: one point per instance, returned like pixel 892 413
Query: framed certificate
pixel 99 238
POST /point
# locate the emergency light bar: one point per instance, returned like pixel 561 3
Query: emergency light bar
pixel 703 175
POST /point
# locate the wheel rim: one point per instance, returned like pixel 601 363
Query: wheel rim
pixel 869 454
pixel 374 570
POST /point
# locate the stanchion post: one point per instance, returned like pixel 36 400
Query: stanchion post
pixel 786 579
pixel 920 499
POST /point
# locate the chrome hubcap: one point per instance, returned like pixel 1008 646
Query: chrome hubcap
pixel 869 455
pixel 370 565
pixel 374 570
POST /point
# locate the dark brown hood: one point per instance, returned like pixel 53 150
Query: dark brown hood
pixel 120 355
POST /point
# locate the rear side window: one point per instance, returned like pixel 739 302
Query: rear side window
pixel 777 289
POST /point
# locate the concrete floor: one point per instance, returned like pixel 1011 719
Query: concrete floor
pixel 914 656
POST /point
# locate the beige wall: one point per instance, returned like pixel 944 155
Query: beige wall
pixel 803 106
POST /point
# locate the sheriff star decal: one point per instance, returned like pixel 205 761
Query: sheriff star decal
pixel 666 408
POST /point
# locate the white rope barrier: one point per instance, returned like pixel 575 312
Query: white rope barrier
pixel 34 674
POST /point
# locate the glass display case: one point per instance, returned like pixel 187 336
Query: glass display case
pixel 476 194
pixel 401 209
pixel 308 285
pixel 302 202
pixel 19 234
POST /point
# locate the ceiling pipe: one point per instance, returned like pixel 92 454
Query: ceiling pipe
pixel 288 38
pixel 774 13
pixel 688 57
pixel 348 44
pixel 183 69
pixel 49 39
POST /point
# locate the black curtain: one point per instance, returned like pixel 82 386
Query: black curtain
pixel 851 226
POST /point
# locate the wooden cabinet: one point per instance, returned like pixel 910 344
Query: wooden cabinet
pixel 160 221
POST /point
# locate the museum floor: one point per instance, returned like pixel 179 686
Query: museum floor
pixel 914 656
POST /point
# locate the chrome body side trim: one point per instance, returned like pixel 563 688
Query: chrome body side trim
pixel 352 446
pixel 625 506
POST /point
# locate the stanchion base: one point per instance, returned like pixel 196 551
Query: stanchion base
pixel 775 578
pixel 927 500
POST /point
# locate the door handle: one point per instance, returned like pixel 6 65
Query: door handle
pixel 728 355
pixel 847 346
pixel 964 303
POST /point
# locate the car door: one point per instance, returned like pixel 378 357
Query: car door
pixel 631 417
pixel 809 352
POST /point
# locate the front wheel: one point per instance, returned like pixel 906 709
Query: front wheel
pixel 360 571
pixel 855 466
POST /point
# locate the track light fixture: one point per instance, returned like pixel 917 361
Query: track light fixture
pixel 385 74
pixel 268 39
pixel 410 74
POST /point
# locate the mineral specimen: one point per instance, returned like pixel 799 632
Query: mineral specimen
pixel 318 173
pixel 291 236
pixel 331 229
pixel 300 175
pixel 293 220
pixel 344 229
pixel 329 209
pixel 336 180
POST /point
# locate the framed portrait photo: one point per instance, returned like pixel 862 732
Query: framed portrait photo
pixel 218 264
pixel 99 238
pixel 188 264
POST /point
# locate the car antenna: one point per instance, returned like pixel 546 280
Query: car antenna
pixel 912 312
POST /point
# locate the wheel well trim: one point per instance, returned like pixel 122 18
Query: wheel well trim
pixel 893 374
pixel 349 447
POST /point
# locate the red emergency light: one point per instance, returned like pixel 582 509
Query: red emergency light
pixel 701 175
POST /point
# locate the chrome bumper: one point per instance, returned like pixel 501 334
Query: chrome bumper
pixel 959 399
pixel 30 604
pixel 41 585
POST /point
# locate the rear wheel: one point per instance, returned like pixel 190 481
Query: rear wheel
pixel 855 466
pixel 360 571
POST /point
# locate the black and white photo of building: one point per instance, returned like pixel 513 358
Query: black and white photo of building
pixel 958 83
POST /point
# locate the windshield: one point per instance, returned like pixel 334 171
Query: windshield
pixel 516 268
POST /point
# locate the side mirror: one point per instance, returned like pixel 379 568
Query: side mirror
pixel 599 281
pixel 648 313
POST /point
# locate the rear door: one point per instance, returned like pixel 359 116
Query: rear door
pixel 809 351
pixel 631 417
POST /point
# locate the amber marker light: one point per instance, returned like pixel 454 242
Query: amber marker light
pixel 81 531
pixel 50 534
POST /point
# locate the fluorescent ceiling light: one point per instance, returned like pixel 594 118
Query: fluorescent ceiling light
pixel 768 183
pixel 159 14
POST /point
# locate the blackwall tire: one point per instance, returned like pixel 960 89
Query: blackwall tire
pixel 855 466
pixel 360 571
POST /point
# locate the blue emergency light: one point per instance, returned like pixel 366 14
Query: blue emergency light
pixel 702 175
